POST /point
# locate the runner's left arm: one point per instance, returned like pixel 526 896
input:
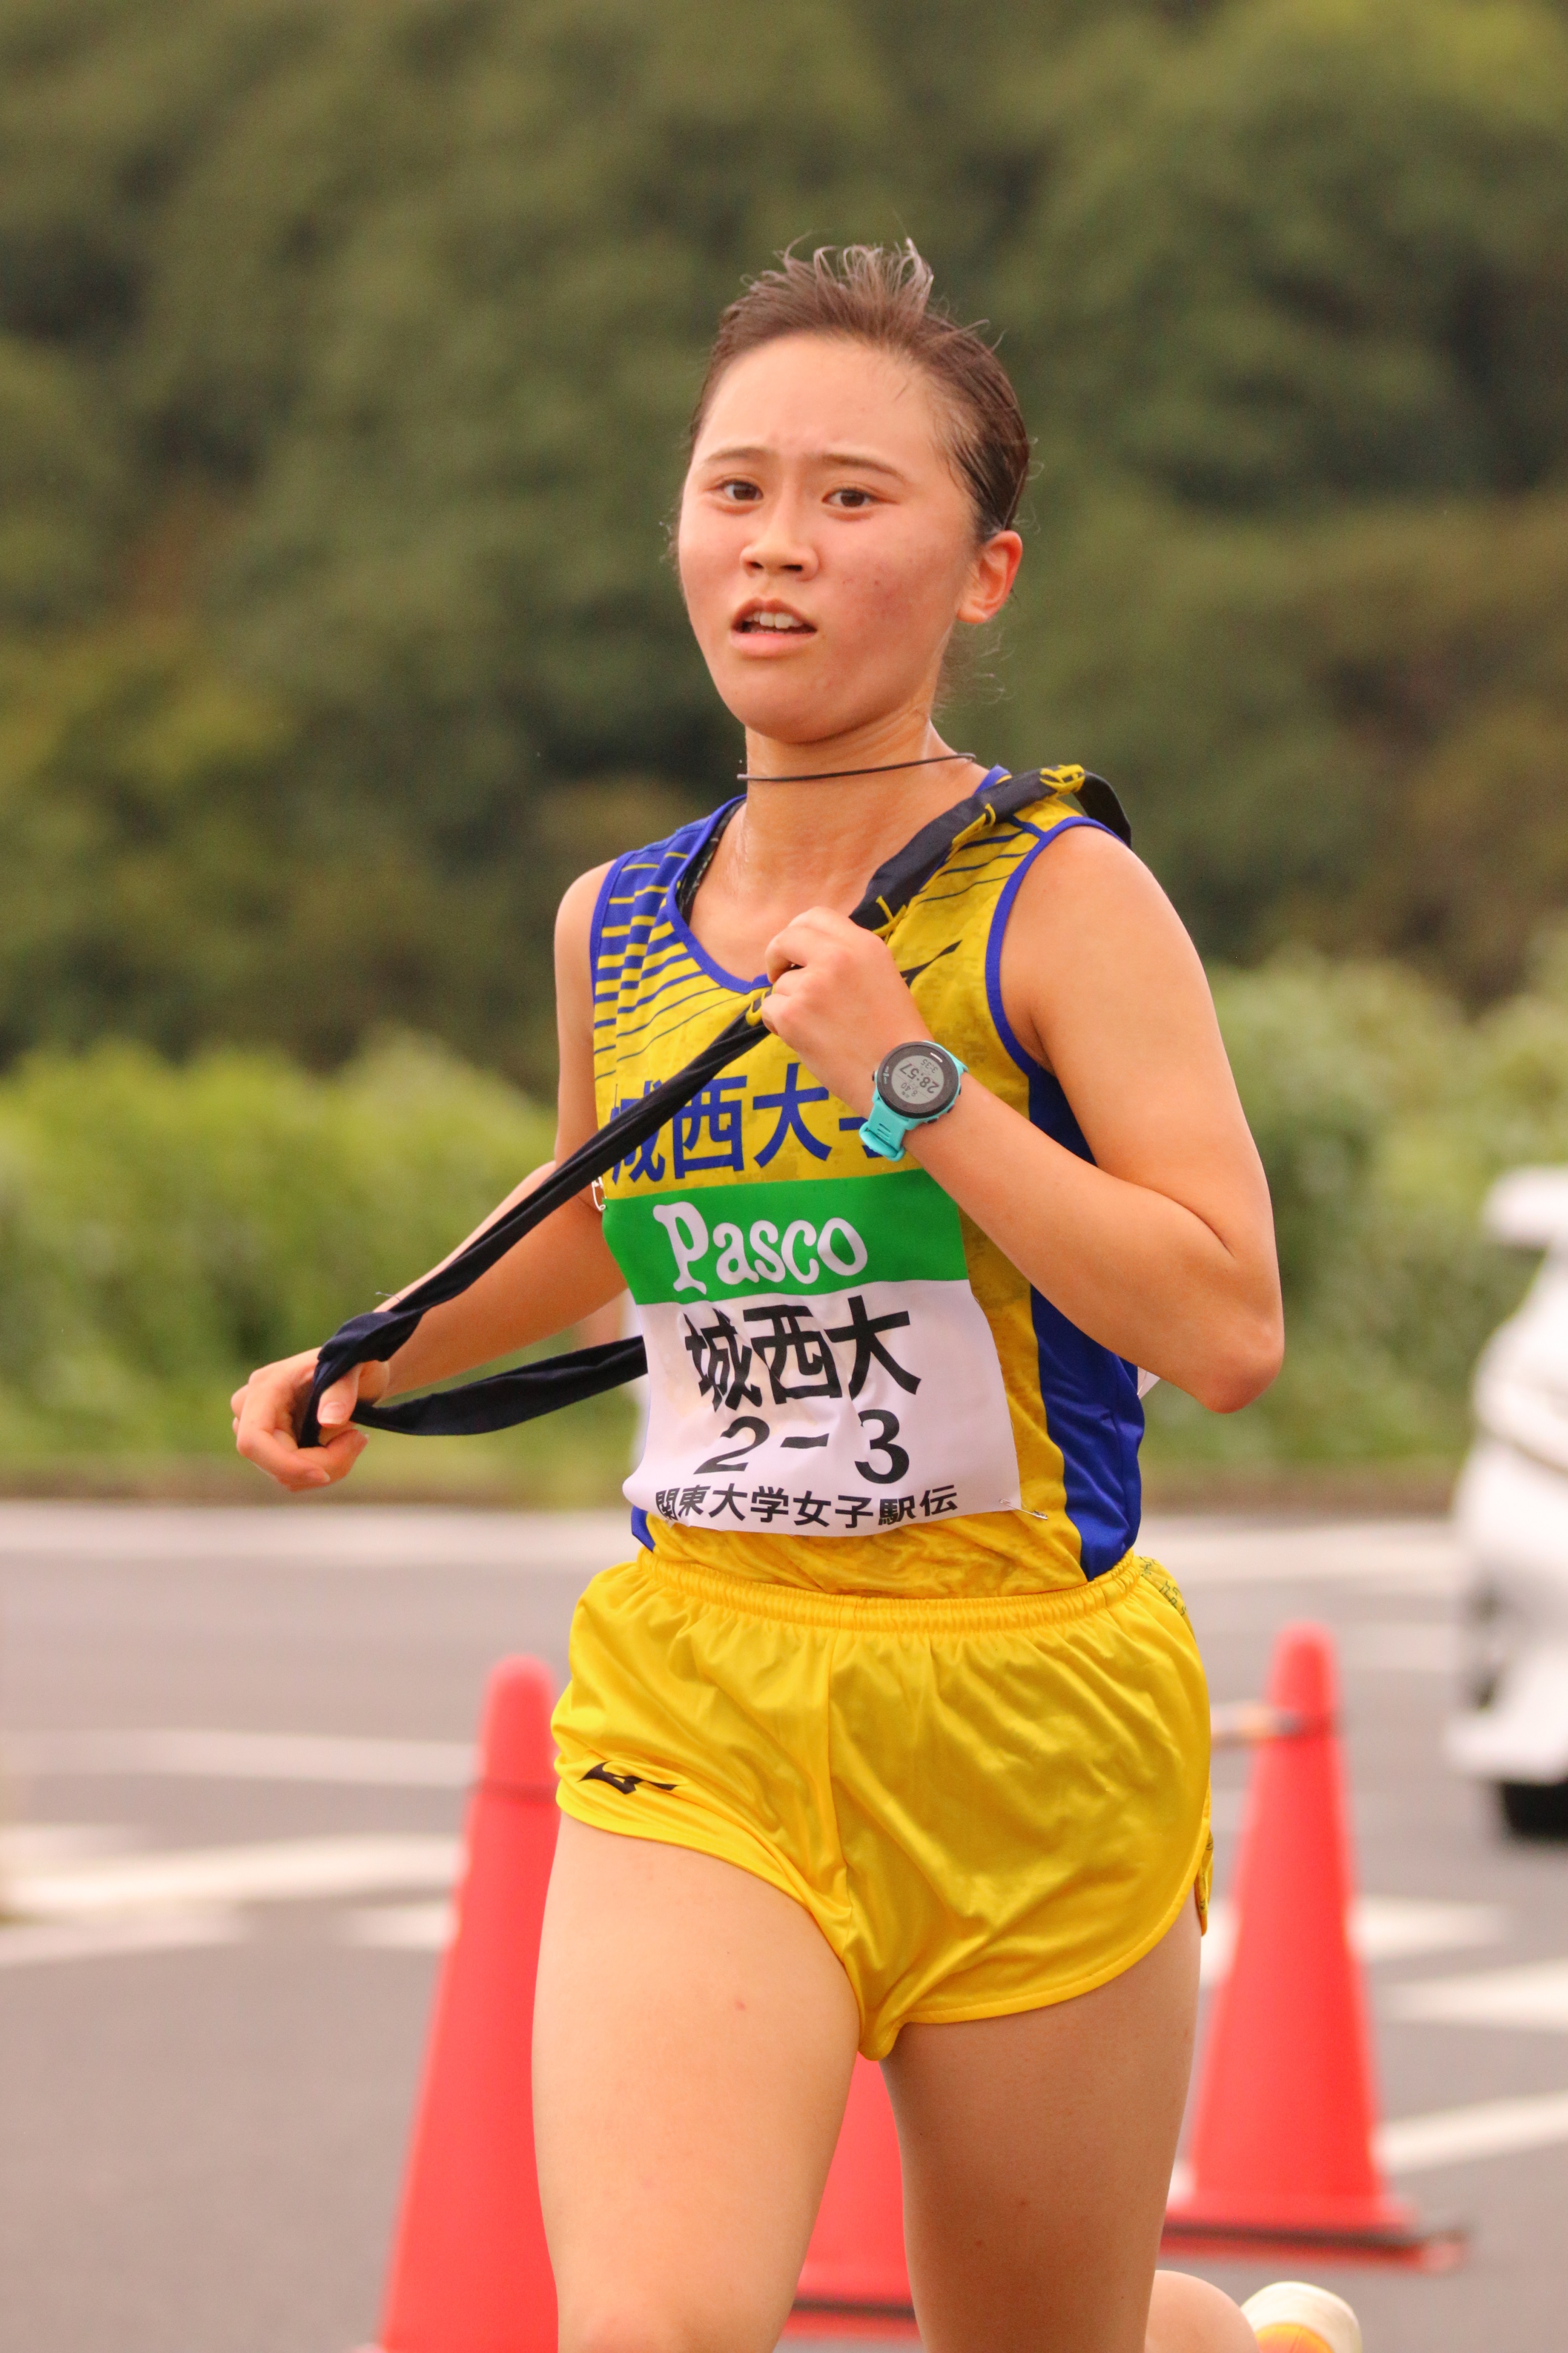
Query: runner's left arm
pixel 550 1279
pixel 1162 1247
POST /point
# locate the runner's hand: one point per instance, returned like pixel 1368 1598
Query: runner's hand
pixel 840 1000
pixel 266 1409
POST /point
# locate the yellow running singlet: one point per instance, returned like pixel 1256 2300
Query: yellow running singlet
pixel 885 1644
pixel 835 1351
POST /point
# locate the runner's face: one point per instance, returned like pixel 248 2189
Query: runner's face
pixel 825 547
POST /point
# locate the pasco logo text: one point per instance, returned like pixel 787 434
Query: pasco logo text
pixel 732 1254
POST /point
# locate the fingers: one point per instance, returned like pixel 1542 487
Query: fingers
pixel 839 999
pixel 266 1411
pixel 809 935
pixel 335 1406
pixel 361 1386
pixel 820 957
pixel 301 1469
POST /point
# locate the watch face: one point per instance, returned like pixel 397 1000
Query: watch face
pixel 916 1081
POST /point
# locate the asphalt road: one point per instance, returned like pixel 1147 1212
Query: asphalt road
pixel 234 1745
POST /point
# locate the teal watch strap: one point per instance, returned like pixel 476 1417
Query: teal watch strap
pixel 883 1131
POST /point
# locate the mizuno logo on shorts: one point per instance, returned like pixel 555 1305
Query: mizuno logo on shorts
pixel 627 1783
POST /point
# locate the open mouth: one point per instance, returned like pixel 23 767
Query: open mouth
pixel 774 625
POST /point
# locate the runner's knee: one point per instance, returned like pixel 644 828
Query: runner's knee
pixel 638 2324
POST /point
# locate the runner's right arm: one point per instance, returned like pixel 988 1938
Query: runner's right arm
pixel 548 1280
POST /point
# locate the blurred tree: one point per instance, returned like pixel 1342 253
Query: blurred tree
pixel 1315 247
pixel 345 362
pixel 165 875
pixel 1351 730
pixel 463 539
pixel 64 485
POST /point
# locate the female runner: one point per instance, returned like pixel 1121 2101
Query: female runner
pixel 886 1738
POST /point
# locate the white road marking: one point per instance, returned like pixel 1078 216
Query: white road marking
pixel 308 1533
pixel 1200 1549
pixel 1392 1648
pixel 1490 2128
pixel 141 1932
pixel 1415 1556
pixel 1396 1927
pixel 1534 1996
pixel 402 1927
pixel 1382 1928
pixel 286 1870
pixel 1452 2135
pixel 249 1757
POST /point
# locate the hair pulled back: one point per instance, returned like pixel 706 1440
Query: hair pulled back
pixel 881 295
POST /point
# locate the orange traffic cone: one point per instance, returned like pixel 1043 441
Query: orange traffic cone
pixel 1282 2142
pixel 470 2272
pixel 855 2281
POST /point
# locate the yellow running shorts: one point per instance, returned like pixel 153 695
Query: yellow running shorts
pixel 986 1805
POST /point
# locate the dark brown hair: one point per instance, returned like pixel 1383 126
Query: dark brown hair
pixel 880 295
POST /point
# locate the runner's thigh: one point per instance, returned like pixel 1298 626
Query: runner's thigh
pixel 693 2039
pixel 1038 2152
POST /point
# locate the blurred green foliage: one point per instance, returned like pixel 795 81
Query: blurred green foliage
pixel 345 355
pixel 1382 1114
pixel 164 1228
pixel 344 358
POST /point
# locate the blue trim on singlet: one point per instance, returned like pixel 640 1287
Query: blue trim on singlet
pixel 661 862
pixel 601 909
pixel 660 965
pixel 1090 1394
pixel 1000 915
pixel 1092 1407
pixel 654 1007
pixel 682 929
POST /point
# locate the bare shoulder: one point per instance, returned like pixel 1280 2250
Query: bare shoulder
pixel 1088 885
pixel 1093 945
pixel 575 916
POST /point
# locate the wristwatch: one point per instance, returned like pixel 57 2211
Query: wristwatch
pixel 914 1085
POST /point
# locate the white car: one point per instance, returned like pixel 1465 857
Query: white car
pixel 1511 1512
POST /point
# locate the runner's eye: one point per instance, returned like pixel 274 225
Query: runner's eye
pixel 851 497
pixel 738 495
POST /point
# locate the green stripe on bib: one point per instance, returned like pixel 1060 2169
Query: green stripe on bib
pixel 736 1241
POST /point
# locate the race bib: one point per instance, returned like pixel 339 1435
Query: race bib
pixel 818 1364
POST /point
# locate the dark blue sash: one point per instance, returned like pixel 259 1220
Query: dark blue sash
pixel 506 1398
